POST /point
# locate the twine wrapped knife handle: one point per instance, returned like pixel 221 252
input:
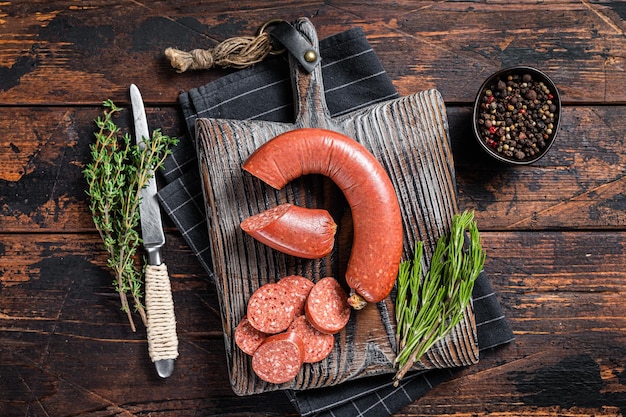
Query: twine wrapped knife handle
pixel 162 338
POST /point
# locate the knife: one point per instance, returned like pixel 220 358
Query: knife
pixel 161 321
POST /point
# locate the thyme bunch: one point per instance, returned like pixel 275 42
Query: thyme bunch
pixel 428 308
pixel 115 176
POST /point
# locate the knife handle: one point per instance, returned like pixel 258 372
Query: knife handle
pixel 161 329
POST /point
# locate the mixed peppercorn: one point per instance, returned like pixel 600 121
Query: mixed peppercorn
pixel 517 116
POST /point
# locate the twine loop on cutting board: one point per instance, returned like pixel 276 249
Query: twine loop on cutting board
pixel 161 329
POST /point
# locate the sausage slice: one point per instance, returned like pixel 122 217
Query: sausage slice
pixel 317 345
pixel 327 307
pixel 271 309
pixel 279 358
pixel 247 337
pixel 299 289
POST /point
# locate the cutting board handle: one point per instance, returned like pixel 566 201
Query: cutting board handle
pixel 308 88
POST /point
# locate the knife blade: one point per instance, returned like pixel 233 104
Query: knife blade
pixel 161 320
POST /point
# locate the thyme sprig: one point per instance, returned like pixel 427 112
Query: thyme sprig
pixel 115 176
pixel 428 308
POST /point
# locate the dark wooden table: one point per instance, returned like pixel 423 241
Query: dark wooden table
pixel 554 232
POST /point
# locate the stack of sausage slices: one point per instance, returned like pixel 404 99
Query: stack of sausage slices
pixel 289 323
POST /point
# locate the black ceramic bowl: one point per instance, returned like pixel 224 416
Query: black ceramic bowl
pixel 516 115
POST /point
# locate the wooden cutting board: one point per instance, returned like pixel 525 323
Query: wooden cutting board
pixel 409 136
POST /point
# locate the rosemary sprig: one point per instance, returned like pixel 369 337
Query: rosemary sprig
pixel 428 309
pixel 118 171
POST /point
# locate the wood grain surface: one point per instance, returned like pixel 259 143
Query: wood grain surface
pixel 555 232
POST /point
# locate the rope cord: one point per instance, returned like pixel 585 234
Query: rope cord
pixel 240 52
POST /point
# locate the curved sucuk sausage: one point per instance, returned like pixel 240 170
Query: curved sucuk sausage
pixel 317 345
pixel 271 309
pixel 279 358
pixel 377 244
pixel 327 306
pixel 247 337
pixel 294 230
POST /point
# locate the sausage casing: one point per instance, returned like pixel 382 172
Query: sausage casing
pixel 377 244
